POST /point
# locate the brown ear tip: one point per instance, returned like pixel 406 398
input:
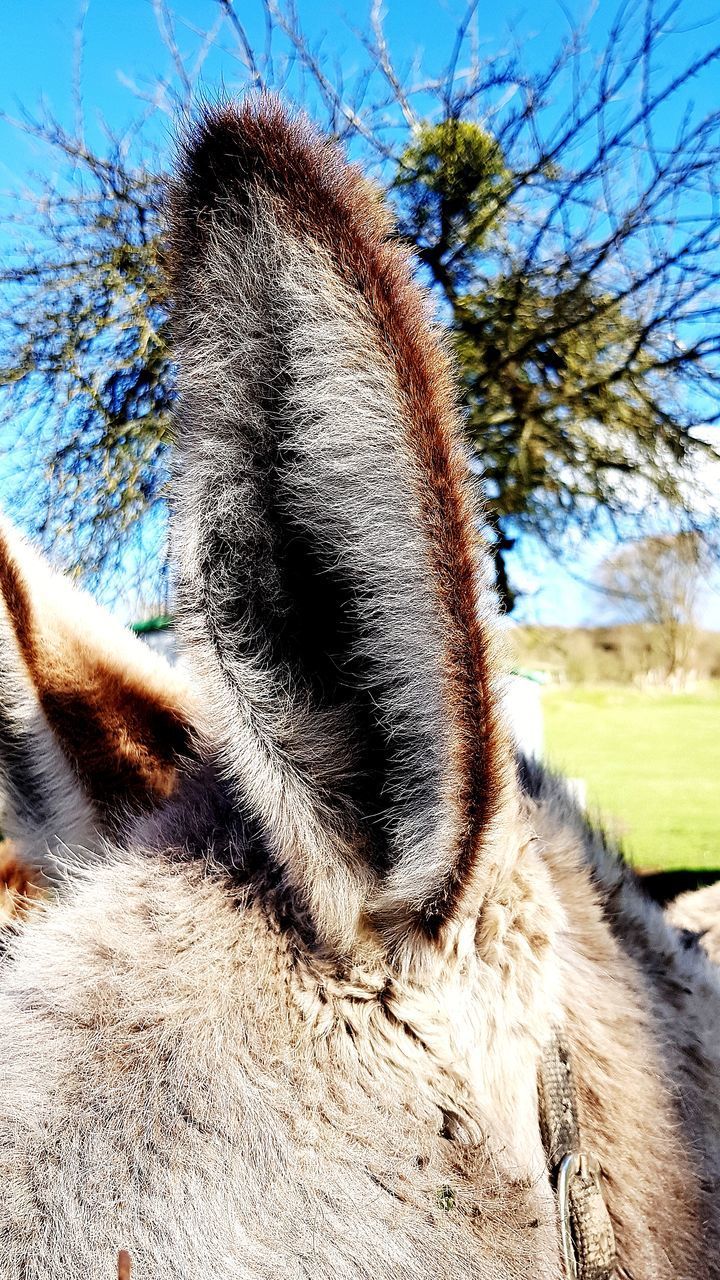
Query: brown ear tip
pixel 231 142
pixel 228 149
pixel 236 150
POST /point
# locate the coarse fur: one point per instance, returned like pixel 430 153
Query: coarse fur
pixel 293 1025
pixel 92 724
pixel 324 535
pixel 698 912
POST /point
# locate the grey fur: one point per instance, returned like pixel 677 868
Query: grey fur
pixel 698 913
pixel 279 316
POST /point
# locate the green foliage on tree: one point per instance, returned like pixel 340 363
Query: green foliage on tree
pixel 85 357
pixel 453 184
pixel 562 381
pixel 582 302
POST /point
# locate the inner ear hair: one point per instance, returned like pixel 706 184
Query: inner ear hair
pixel 325 529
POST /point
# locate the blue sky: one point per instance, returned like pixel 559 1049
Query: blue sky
pixel 121 44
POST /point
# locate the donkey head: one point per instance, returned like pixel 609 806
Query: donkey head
pixel 92 724
pixel 337 962
pixel 325 534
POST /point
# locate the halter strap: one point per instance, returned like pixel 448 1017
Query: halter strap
pixel 586 1233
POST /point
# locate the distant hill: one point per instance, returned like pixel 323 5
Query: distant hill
pixel 598 655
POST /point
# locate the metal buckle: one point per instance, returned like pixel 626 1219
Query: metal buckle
pixel 578 1164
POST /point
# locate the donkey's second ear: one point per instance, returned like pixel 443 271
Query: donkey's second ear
pixel 325 532
pixel 92 724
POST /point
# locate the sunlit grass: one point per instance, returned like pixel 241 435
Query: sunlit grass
pixel 651 762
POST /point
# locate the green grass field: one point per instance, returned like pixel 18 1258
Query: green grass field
pixel 651 761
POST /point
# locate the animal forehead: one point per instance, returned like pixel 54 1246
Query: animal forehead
pixel 228 1048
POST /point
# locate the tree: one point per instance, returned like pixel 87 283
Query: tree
pixel 657 581
pixel 571 243
pixel 85 359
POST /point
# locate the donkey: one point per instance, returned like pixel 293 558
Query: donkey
pixel 92 725
pixel 364 996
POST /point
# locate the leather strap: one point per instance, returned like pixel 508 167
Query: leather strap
pixel 586 1232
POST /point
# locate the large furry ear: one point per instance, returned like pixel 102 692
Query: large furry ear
pixel 92 724
pixel 324 531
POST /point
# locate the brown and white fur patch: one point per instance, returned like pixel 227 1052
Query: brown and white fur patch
pixel 18 887
pixel 92 725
